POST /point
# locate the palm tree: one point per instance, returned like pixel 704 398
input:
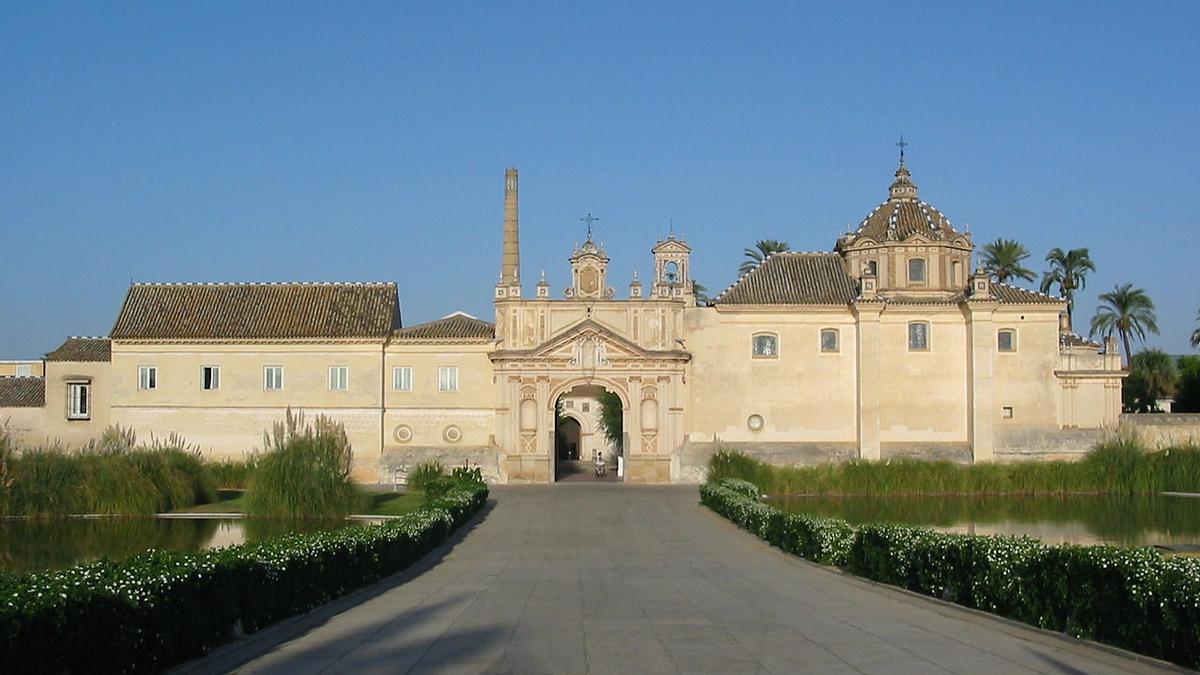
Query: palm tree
pixel 763 249
pixel 1152 377
pixel 701 292
pixel 1068 270
pixel 1196 333
pixel 1127 311
pixel 1002 259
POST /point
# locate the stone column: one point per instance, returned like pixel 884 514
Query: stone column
pixel 868 378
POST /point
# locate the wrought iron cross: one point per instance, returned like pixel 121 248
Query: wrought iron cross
pixel 589 219
pixel 902 144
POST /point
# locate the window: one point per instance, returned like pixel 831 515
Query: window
pixel 1006 340
pixel 873 267
pixel 916 270
pixel 339 378
pixel 79 401
pixel 918 336
pixel 829 340
pixel 402 378
pixel 447 378
pixel 1006 412
pixel 24 370
pixel 273 378
pixel 147 377
pixel 766 346
pixel 956 273
pixel 586 407
pixel 210 378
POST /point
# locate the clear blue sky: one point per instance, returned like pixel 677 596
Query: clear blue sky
pixel 303 141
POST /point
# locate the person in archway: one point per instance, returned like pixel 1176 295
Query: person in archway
pixel 599 463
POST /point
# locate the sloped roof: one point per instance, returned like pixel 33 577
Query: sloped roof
pixel 793 279
pixel 22 392
pixel 258 311
pixel 904 215
pixel 1004 293
pixel 83 349
pixel 457 326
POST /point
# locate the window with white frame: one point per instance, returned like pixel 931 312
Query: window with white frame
pixel 916 270
pixel 79 400
pixel 24 370
pixel 210 378
pixel 765 346
pixel 829 340
pixel 402 378
pixel 447 378
pixel 918 336
pixel 339 378
pixel 1006 340
pixel 273 378
pixel 147 377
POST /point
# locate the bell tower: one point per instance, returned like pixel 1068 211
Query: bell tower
pixel 672 278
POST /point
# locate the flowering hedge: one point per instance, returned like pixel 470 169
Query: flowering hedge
pixel 1129 597
pixel 160 608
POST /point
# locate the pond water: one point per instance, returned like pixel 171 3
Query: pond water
pixel 52 544
pixel 1142 520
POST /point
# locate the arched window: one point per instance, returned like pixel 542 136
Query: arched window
pixel 765 346
pixel 918 336
pixel 916 270
pixel 1006 340
pixel 671 272
pixel 829 340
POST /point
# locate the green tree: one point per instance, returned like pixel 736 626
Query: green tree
pixel 763 249
pixel 612 418
pixel 1003 259
pixel 1196 333
pixel 1126 311
pixel 1152 376
pixel 1187 394
pixel 701 293
pixel 1068 271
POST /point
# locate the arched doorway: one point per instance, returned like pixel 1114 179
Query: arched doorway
pixel 588 420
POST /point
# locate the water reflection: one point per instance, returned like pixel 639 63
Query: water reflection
pixel 1142 520
pixel 52 544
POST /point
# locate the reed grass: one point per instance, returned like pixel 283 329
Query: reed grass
pixel 1118 467
pixel 230 474
pixel 304 473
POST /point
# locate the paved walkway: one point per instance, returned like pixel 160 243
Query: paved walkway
pixel 630 579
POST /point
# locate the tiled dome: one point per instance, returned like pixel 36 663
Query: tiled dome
pixel 904 215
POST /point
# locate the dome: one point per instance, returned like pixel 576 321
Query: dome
pixel 904 215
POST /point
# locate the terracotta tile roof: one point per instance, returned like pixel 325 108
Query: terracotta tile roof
pixel 457 326
pixel 793 279
pixel 83 349
pixel 904 215
pixel 22 392
pixel 258 311
pixel 1012 294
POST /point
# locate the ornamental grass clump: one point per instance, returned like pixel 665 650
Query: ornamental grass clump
pixel 304 472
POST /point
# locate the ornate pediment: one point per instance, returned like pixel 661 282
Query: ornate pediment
pixel 589 344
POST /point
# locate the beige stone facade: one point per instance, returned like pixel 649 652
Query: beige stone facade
pixel 887 346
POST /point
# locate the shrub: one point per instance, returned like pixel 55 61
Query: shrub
pixel 230 474
pixel 425 472
pixel 160 608
pixel 305 471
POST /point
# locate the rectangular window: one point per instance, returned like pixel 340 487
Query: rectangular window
pixel 339 378
pixel 402 378
pixel 1006 412
pixel 586 407
pixel 447 378
pixel 765 346
pixel 916 270
pixel 147 377
pixel 210 378
pixel 273 378
pixel 24 370
pixel 829 340
pixel 1006 341
pixel 918 336
pixel 79 403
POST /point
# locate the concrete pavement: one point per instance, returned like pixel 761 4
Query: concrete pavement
pixel 610 578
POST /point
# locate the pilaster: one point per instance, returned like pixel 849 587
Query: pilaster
pixel 868 378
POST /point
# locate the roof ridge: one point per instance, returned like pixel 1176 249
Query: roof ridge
pixel 22 377
pixel 88 337
pixel 1029 290
pixel 263 283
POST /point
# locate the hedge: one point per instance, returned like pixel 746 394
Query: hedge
pixel 161 608
pixel 1132 598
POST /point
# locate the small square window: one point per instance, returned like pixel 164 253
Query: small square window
pixel 586 407
pixel 24 370
pixel 766 346
pixel 210 378
pixel 402 378
pixel 339 378
pixel 79 400
pixel 829 340
pixel 569 405
pixel 1006 412
pixel 1006 340
pixel 447 378
pixel 918 336
pixel 147 377
pixel 273 378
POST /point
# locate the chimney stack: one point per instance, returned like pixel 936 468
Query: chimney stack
pixel 510 267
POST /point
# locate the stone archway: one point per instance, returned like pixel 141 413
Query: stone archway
pixel 580 432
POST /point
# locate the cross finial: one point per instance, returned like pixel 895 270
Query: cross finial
pixel 589 219
pixel 902 144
